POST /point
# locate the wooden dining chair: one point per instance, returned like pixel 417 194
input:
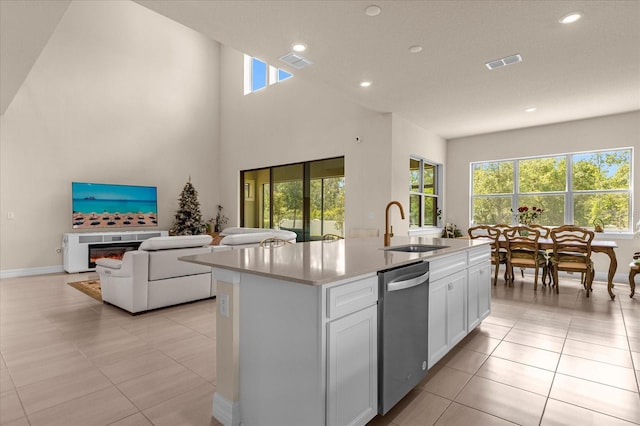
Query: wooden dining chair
pixel 546 272
pixel 523 251
pixel 572 253
pixel 498 257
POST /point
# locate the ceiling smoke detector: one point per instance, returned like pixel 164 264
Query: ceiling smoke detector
pixel 296 60
pixel 509 60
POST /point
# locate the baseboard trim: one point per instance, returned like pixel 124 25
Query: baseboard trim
pixel 225 411
pixel 25 272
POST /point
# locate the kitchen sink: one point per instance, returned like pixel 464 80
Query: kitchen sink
pixel 415 248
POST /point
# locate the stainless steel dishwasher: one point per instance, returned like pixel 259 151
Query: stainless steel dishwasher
pixel 403 331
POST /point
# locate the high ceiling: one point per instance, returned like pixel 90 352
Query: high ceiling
pixel 586 69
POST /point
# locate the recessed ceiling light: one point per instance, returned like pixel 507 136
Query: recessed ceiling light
pixel 416 48
pixel 530 109
pixel 365 83
pixel 373 10
pixel 570 18
pixel 299 47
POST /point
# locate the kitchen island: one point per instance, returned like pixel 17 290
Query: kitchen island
pixel 297 325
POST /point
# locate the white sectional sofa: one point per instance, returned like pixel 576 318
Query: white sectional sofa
pixel 152 277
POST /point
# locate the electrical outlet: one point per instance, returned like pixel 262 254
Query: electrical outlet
pixel 223 305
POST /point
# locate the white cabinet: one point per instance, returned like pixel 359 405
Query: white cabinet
pixel 478 287
pixel 308 355
pixel 456 307
pixel 447 305
pixel 459 298
pixel 352 352
pixel 352 368
pixel 447 314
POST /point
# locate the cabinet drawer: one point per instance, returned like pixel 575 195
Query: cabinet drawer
pixel 448 265
pixel 346 298
pixel 479 255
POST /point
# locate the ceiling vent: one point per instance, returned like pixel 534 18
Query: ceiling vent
pixel 296 60
pixel 499 63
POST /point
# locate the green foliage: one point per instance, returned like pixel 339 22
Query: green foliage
pixel 493 178
pixel 327 200
pixel 543 174
pixel 188 219
pixel 491 210
pixel 542 182
pixel 287 201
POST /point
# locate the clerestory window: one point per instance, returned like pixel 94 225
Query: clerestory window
pixel 258 74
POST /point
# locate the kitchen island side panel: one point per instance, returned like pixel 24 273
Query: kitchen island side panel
pixel 282 353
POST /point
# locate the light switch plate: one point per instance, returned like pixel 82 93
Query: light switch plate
pixel 223 305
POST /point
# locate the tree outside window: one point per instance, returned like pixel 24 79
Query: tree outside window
pixel 577 188
pixel 424 190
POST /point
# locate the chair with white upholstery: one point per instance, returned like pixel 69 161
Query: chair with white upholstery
pixel 153 276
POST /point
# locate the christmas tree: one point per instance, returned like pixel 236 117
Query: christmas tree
pixel 188 219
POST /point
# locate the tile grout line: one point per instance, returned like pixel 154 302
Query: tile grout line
pixel 633 365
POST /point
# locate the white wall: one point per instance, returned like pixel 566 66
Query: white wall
pixel 615 131
pixel 120 94
pixel 411 140
pixel 295 121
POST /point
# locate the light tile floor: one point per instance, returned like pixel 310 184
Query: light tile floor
pixel 539 358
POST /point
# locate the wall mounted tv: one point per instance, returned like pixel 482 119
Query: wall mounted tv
pixel 99 205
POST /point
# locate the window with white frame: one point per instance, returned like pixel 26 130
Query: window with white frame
pixel 424 193
pixel 258 74
pixel 577 188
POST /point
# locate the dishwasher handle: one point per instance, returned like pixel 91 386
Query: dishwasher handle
pixel 404 284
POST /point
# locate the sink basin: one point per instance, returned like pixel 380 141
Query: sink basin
pixel 415 248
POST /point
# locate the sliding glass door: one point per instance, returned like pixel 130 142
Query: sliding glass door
pixel 306 198
pixel 327 197
pixel 288 198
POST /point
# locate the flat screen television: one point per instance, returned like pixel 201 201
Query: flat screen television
pixel 99 205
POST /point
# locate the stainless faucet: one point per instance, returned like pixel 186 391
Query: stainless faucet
pixel 388 230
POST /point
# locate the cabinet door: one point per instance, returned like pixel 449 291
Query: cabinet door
pixel 456 307
pixel 484 291
pixel 438 342
pixel 447 314
pixel 352 368
pixel 473 308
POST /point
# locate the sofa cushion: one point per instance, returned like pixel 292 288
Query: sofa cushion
pixel 232 230
pixel 174 242
pixel 165 264
pixel 256 237
pixel 109 263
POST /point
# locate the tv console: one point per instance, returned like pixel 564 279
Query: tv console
pixel 80 250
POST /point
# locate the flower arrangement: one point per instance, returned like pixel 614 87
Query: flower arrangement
pixel 527 215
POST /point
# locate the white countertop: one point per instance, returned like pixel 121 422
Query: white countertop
pixel 322 262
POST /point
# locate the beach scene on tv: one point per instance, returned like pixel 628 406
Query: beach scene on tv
pixel 98 205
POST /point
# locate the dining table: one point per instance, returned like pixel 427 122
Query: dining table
pixel 597 246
